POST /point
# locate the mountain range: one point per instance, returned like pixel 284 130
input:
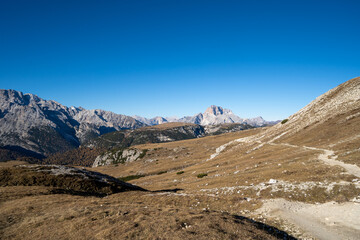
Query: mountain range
pixel 39 127
pixel 213 115
pixel 31 123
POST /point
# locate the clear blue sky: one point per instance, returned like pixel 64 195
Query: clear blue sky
pixel 169 57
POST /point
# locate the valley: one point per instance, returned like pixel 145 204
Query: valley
pixel 298 179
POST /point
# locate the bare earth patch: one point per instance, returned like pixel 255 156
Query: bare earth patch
pixel 329 220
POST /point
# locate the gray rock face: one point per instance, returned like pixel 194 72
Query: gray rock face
pixel 152 121
pixel 45 126
pixel 215 115
pixel 120 156
pixel 97 122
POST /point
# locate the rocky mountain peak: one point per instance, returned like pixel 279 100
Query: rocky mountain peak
pixel 214 110
pixel 160 120
pixel 13 96
pixel 217 110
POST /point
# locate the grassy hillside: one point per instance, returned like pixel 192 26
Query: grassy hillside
pixel 82 156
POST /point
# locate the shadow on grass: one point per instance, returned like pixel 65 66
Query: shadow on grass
pixel 269 229
pixel 168 190
pixel 101 195
pixel 77 193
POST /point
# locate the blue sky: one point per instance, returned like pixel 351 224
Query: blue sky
pixel 169 57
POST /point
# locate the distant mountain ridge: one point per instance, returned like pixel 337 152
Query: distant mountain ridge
pixel 34 126
pixel 213 115
pixel 45 126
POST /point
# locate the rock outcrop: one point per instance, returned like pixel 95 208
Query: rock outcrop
pixel 119 156
pixel 64 179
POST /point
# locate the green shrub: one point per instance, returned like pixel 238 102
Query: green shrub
pixel 181 172
pixel 143 153
pixel 130 177
pixel 201 175
pixel 284 121
pixel 162 172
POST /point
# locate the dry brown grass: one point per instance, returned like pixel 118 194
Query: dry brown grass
pixel 35 212
pixel 131 215
pixel 172 156
pixel 63 179
pixel 340 133
pixel 12 163
pixel 235 167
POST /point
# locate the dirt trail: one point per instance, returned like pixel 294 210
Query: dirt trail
pixel 330 221
pixel 329 158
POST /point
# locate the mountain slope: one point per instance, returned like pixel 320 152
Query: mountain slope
pixel 97 122
pixel 342 99
pixel 45 126
pixel 153 134
pixel 331 121
pixel 225 128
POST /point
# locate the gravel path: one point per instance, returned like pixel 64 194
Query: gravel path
pixel 330 221
pixel 329 158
